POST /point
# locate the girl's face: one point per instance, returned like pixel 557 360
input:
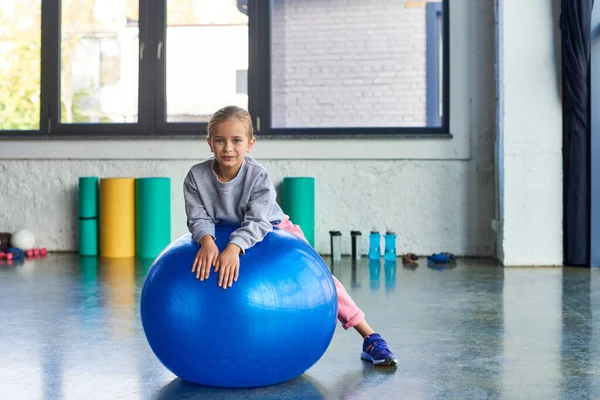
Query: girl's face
pixel 230 143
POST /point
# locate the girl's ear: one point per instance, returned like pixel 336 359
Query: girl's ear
pixel 251 143
pixel 209 145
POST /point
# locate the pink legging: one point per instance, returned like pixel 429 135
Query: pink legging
pixel 348 312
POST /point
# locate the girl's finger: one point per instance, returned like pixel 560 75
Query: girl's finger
pixel 209 263
pixel 217 261
pixel 230 280
pixel 222 275
pixel 226 278
pixel 196 264
pixel 236 274
pixel 201 271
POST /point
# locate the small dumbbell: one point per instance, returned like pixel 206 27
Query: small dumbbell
pixel 36 252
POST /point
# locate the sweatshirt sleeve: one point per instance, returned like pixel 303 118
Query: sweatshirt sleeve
pixel 256 224
pixel 198 221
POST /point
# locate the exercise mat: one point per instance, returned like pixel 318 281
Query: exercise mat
pixel 152 215
pixel 117 217
pixel 87 205
pixel 298 201
pixel 88 236
pixel 88 197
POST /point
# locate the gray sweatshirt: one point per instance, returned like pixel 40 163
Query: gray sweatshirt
pixel 249 199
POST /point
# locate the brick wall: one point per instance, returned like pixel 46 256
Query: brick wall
pixel 348 63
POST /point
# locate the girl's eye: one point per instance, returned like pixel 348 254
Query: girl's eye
pixel 237 140
pixel 219 141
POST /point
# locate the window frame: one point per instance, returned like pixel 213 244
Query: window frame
pixel 433 12
pixel 152 86
pixel 50 125
pixel 261 109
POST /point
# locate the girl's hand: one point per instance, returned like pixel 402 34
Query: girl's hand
pixel 228 264
pixel 208 253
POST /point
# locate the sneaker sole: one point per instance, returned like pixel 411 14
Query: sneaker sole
pixel 385 362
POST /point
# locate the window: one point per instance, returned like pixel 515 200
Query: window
pixel 152 68
pixel 349 67
pixel 99 82
pixel 348 64
pixel 20 57
pixel 207 43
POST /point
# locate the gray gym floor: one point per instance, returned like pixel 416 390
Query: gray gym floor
pixel 70 329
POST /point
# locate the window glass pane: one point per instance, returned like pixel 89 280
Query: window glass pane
pixel 99 61
pixel 348 63
pixel 206 52
pixel 20 54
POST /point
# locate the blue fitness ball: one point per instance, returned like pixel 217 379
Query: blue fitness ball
pixel 272 325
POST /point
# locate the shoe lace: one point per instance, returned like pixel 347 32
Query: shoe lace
pixel 376 346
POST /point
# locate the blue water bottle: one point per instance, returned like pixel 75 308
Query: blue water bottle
pixel 390 246
pixel 374 245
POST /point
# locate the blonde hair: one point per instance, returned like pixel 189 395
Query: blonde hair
pixel 228 113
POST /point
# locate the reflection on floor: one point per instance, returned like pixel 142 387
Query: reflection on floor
pixel 70 329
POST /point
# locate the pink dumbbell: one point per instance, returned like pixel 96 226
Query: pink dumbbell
pixel 36 252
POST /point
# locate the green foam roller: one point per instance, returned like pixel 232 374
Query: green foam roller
pixel 88 237
pixel 298 201
pixel 152 216
pixel 88 197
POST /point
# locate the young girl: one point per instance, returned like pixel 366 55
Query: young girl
pixel 232 188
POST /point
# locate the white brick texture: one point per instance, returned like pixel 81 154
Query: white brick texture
pixel 348 63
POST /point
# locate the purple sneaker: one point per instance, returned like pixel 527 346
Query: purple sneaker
pixel 375 349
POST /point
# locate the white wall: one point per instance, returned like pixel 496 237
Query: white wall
pixel 348 63
pixel 437 196
pixel 531 140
